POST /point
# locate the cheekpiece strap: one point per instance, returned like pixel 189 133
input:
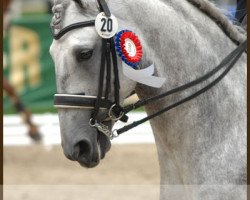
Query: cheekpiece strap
pixel 104 7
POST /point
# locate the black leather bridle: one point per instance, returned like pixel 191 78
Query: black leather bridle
pixel 101 101
pixel 115 110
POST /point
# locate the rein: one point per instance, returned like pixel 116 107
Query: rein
pixel 115 111
pixel 231 59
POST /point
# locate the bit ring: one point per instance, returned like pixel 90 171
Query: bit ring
pixel 92 122
pixel 112 116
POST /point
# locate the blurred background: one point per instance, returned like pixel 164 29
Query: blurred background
pixel 35 167
pixel 28 65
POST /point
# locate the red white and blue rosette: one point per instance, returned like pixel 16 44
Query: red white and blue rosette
pixel 128 47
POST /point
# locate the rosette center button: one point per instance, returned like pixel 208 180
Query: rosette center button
pixel 130 47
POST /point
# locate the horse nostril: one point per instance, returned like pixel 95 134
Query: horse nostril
pixel 82 150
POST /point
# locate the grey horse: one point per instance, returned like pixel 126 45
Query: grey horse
pixel 201 144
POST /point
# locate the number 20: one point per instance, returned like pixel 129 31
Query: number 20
pixel 107 25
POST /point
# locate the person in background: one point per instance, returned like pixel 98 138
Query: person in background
pixel 241 10
pixel 241 13
pixel 234 10
pixel 15 100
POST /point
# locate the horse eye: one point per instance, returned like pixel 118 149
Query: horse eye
pixel 84 55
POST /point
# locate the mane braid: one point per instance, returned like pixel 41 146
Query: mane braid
pixel 215 14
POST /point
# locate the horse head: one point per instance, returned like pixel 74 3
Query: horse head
pixel 77 57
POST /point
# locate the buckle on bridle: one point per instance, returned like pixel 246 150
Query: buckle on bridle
pixel 115 112
pixel 103 129
pixel 100 127
pixel 114 134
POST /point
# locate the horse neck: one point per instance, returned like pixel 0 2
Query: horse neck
pixel 184 44
pixel 180 39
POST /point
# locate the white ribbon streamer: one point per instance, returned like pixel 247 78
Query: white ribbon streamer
pixel 143 76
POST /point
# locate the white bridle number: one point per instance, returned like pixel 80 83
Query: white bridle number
pixel 105 26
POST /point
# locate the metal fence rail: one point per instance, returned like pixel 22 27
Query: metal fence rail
pixel 15 132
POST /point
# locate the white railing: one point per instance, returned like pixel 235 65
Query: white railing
pixel 15 131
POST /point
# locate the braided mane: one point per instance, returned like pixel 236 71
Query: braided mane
pixel 215 14
pixel 204 5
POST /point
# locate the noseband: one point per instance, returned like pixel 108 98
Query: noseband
pixel 115 111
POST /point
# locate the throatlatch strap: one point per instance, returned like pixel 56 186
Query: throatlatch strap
pixel 117 110
pixel 116 72
pixel 108 72
pixel 233 60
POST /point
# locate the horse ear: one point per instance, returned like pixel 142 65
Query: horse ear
pixel 81 3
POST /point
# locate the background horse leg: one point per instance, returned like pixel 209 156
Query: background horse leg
pixel 24 112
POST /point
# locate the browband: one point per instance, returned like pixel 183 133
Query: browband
pixel 72 27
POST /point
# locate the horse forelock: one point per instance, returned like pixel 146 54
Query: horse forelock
pixel 60 6
pixel 215 13
pixel 58 10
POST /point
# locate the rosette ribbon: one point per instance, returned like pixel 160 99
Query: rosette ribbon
pixel 129 49
pixel 144 76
